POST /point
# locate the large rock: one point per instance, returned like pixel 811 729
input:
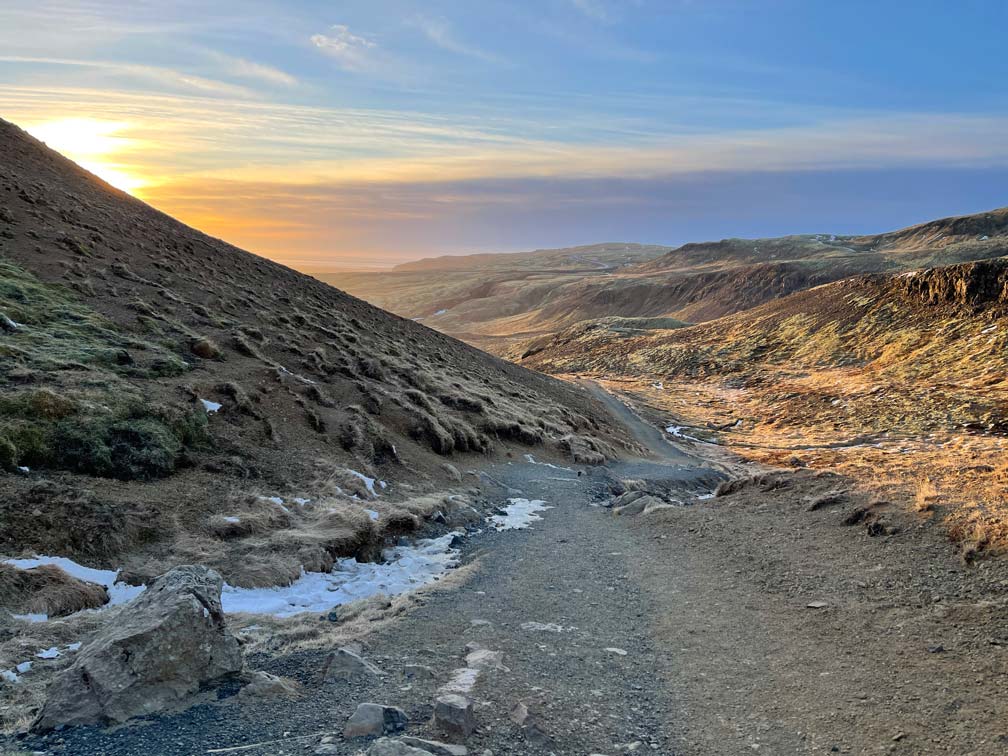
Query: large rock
pixel 160 649
pixel 435 747
pixel 375 719
pixel 346 663
pixel 453 714
pixel 390 747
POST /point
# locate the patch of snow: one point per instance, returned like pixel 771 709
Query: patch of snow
pixel 372 514
pixel 532 461
pixel 658 385
pixel 677 431
pixel 295 375
pixel 984 237
pixel 32 617
pixel 519 514
pixel 275 500
pixel 988 330
pixel 119 593
pixel 75 646
pixel 9 675
pixel 48 653
pixel 441 312
pixel 232 519
pixel 300 501
pixel 704 497
pixel 210 407
pixel 406 568
pixel 24 469
pixel 369 483
pixel 23 667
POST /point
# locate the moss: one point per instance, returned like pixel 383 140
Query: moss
pixel 8 454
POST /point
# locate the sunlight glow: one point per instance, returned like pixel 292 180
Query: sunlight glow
pixel 94 145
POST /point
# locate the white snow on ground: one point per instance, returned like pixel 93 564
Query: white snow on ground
pixel 369 483
pixel 704 497
pixel 298 377
pixel 518 514
pixel 406 568
pixel 275 500
pixel 233 520
pixel 23 667
pixel 119 593
pixel 11 677
pixel 532 461
pixel 441 312
pixel 677 431
pixel 372 514
pixel 24 469
pixel 32 617
pixel 48 653
pixel 209 406
pixel 658 385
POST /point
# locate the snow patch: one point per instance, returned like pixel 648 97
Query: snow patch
pixel 518 514
pixel 372 514
pixel 48 653
pixel 542 627
pixel 210 407
pixel 231 519
pixel 462 681
pixel 532 461
pixel 677 431
pixel 119 593
pixel 441 312
pixel 406 568
pixel 369 483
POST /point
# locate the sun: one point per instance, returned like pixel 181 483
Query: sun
pixel 94 145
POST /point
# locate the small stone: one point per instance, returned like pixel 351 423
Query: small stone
pixel 519 714
pixel 390 747
pixel 936 649
pixel 375 719
pixel 326 749
pixel 617 651
pixel 817 605
pixel 454 715
pixel 263 685
pixel 346 663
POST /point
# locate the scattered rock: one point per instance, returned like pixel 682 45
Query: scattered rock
pixel 265 685
pixel 519 714
pixel 162 648
pixel 626 498
pixel 617 651
pixel 454 715
pixel 375 719
pixel 435 747
pixel 346 663
pixel 817 605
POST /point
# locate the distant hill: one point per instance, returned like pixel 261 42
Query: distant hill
pixel 508 303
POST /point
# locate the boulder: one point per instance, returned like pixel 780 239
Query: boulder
pixel 375 719
pixel 161 648
pixel 453 714
pixel 626 498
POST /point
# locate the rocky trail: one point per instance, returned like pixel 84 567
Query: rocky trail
pixel 740 624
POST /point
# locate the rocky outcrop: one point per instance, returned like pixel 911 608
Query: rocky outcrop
pixel 158 651
pixel 973 285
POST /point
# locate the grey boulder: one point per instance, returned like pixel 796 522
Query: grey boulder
pixel 162 647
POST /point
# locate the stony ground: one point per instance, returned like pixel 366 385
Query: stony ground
pixel 750 622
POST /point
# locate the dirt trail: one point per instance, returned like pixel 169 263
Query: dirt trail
pixel 683 632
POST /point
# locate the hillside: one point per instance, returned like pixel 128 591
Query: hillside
pixel 166 396
pixel 899 381
pixel 507 304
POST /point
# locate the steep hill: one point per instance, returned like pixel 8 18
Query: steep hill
pixel 159 385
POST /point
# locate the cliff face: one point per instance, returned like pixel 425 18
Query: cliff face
pixel 976 285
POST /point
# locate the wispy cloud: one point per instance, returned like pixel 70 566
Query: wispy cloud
pixel 167 76
pixel 248 69
pixel 440 32
pixel 350 50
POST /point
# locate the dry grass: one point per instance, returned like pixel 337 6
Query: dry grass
pixel 47 590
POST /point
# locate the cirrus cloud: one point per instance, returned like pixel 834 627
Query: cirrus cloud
pixel 350 50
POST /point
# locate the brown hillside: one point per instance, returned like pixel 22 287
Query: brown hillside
pixel 119 323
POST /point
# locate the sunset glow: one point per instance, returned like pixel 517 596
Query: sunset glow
pixel 95 145
pixel 361 135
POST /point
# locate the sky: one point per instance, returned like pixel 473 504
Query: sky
pixel 358 134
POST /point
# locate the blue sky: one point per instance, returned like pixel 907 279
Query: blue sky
pixel 364 133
